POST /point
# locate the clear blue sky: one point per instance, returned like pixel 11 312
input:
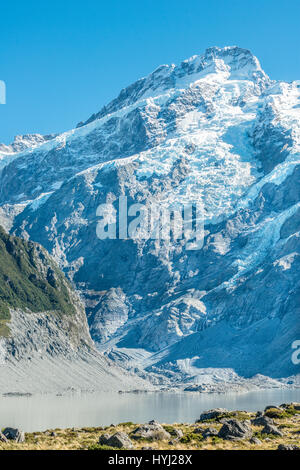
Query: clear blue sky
pixel 62 60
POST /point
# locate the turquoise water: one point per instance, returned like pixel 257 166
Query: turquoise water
pixel 41 412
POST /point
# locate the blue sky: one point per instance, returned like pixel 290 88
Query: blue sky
pixel 63 60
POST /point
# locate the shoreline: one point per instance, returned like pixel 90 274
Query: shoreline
pixel 219 429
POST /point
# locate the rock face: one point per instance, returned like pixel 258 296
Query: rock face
pixel 214 130
pixel 234 429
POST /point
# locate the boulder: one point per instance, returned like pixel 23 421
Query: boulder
pixel 119 440
pixel 234 429
pixel 103 439
pixel 212 414
pixel 271 429
pixel 152 431
pixel 256 441
pixel 14 434
pixel 262 421
pixel 287 447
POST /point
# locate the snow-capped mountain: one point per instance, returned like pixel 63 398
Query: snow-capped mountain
pixel 214 129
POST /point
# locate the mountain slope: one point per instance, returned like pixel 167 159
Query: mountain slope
pixel 44 339
pixel 214 130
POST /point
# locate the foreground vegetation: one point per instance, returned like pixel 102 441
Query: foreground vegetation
pixel 286 420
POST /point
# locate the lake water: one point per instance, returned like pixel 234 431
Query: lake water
pixel 41 412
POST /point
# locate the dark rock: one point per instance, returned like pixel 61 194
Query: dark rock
pixel 14 434
pixel 234 429
pixel 103 439
pixel 271 429
pixel 262 421
pixel 287 447
pixel 119 440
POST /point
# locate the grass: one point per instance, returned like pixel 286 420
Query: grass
pixel 240 415
pixel 87 438
pixel 29 280
pixel 282 414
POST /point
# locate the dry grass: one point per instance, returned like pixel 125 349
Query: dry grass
pixel 85 438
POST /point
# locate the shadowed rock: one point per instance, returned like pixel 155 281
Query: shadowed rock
pixel 14 434
pixel 262 421
pixel 234 429
pixel 271 429
pixel 119 440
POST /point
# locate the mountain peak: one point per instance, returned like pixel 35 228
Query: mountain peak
pixel 235 62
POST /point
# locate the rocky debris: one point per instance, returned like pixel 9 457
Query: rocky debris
pixel 2 437
pixel 119 440
pixel 262 421
pixel 209 432
pixel 212 414
pixel 287 447
pixel 233 429
pixel 152 431
pixel 14 434
pixel 271 429
pixel 256 441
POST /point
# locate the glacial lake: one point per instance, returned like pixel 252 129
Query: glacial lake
pixel 41 412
